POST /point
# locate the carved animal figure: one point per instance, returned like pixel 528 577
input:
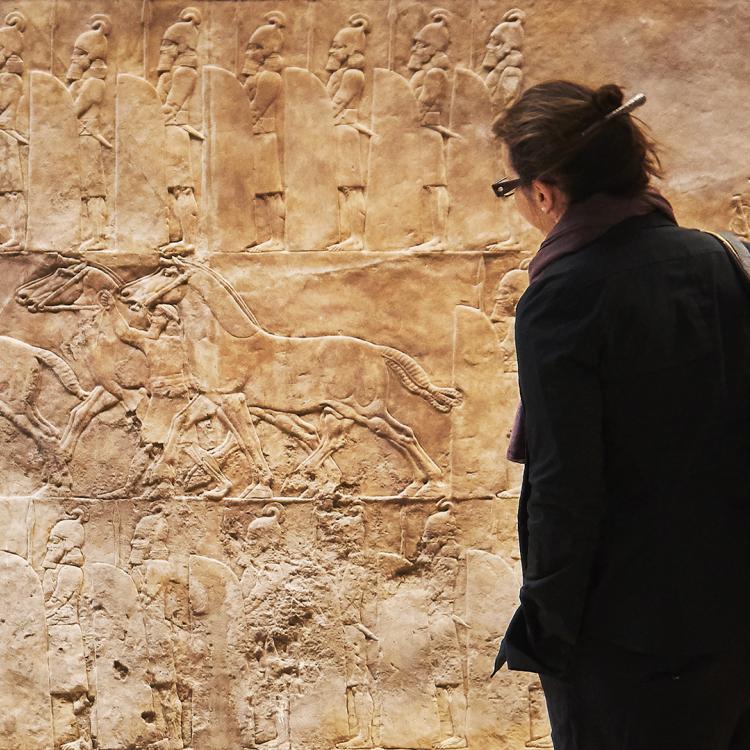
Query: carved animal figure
pixel 21 369
pixel 75 287
pixel 344 378
pixel 82 286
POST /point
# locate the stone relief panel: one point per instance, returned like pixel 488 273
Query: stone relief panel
pixel 258 374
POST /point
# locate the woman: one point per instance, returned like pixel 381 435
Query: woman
pixel 633 344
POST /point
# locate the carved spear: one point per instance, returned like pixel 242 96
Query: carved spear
pixel 392 17
pixel 310 31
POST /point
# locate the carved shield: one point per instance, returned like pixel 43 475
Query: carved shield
pixel 312 221
pixel 124 705
pixel 25 712
pixel 409 716
pixel 230 195
pixel 474 220
pixel 54 183
pixel 394 185
pixel 495 706
pixel 480 426
pixel 219 699
pixel 140 185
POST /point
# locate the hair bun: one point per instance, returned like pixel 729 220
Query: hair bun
pixel 608 98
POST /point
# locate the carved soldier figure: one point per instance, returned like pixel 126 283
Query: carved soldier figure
pixel 356 590
pixel 442 556
pixel 346 62
pixel 170 385
pixel 740 221
pixel 503 60
pixel 86 76
pixel 12 197
pixel 155 579
pixel 540 731
pixel 261 77
pixel 178 76
pixel 430 83
pixel 272 612
pixel 503 316
pixel 62 583
pixel 176 405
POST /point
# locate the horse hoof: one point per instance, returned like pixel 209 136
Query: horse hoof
pixel 218 493
pixel 433 490
pixel 413 489
pixel 258 491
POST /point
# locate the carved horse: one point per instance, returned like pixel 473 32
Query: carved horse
pixel 77 286
pixel 346 379
pixel 21 368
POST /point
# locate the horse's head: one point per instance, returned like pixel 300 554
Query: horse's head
pixel 72 286
pixel 168 284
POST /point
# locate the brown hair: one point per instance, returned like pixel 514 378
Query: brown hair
pixel 543 133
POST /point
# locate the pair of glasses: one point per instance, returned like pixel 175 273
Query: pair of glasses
pixel 504 187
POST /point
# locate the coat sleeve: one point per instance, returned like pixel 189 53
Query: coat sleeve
pixel 558 351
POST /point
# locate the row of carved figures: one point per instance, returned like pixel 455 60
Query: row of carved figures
pixel 195 406
pixel 283 161
pixel 160 653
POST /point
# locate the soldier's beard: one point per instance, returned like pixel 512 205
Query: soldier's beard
pixel 333 64
pixel 75 71
pixel 166 61
pixel 416 62
pixel 251 67
pixel 491 59
pixel 52 559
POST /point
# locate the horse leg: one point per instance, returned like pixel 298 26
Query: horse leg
pixel 98 401
pixel 298 428
pixel 377 419
pixel 210 465
pixel 25 425
pixel 335 430
pixel 198 409
pixel 237 419
pixel 434 487
pixel 292 424
pixel 42 422
pixel 219 454
pixel 56 469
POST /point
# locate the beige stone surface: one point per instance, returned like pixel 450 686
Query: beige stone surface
pixel 257 367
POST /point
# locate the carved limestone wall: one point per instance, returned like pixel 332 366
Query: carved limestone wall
pixel 257 368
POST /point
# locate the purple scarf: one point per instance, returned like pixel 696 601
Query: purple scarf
pixel 580 225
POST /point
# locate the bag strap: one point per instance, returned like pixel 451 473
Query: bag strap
pixel 737 251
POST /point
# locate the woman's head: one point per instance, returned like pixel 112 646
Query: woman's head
pixel 542 135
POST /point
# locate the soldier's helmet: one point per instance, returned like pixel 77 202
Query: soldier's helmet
pixel 184 33
pixel 270 519
pixel 154 528
pixel 353 37
pixel 70 530
pixel 270 36
pixel 11 35
pixel 440 524
pixel 436 34
pixel 510 29
pixel 94 41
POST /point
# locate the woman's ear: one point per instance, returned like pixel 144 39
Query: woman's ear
pixel 543 196
pixel 549 200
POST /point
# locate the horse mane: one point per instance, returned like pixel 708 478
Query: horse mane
pixel 107 271
pixel 227 286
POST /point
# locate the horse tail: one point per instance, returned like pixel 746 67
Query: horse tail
pixel 415 379
pixel 63 371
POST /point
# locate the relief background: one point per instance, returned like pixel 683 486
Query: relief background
pixel 257 370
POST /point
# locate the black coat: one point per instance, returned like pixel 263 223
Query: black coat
pixel 634 516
